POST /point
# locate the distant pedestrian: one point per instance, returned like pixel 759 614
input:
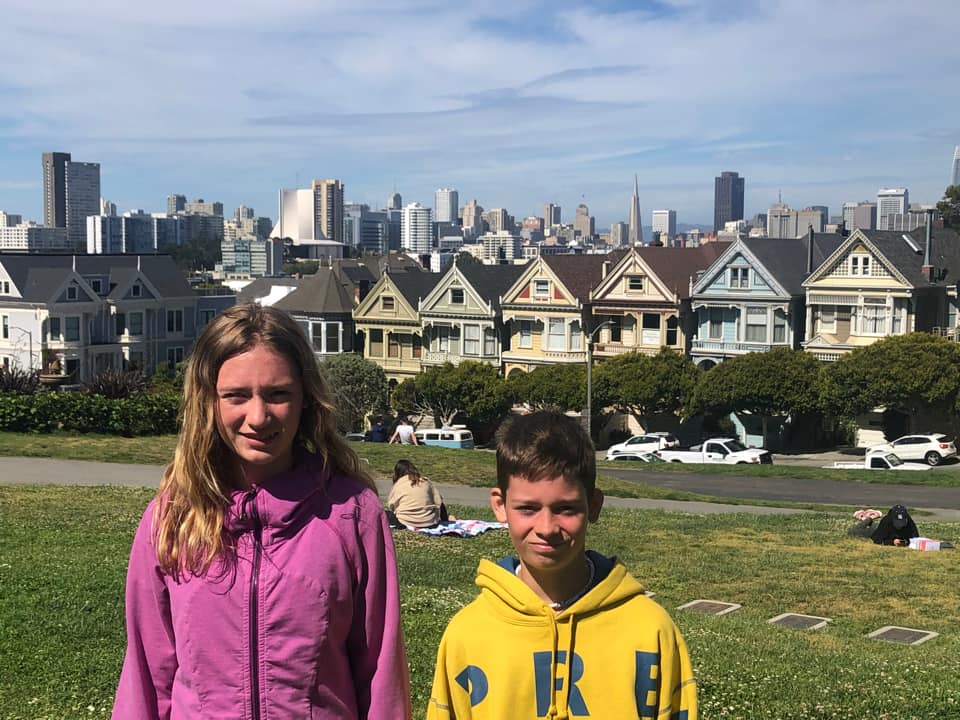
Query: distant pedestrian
pixel 262 580
pixel 404 434
pixel 378 433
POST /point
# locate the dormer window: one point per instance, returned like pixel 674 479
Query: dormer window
pixel 541 288
pixel 635 283
pixel 740 278
pixel 456 296
pixel 135 290
pixel 860 265
pixel 387 303
pixel 97 286
pixel 72 292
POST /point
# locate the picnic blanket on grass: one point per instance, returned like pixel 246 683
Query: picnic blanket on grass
pixel 462 528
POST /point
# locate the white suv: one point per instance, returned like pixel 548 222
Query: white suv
pixel 643 444
pixel 932 449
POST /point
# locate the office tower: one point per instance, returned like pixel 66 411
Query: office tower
pixel 634 223
pixel 551 215
pixel 394 201
pixel 243 213
pixel 9 219
pixel 824 214
pixel 619 234
pixel 176 204
pixel 107 208
pixel 727 199
pixel 55 189
pixel 446 205
pixel 810 217
pixel 891 201
pixel 781 221
pixel 955 168
pixel 202 207
pixel 500 247
pixel 83 199
pixel 416 229
pixel 472 218
pixel 665 222
pixel 583 222
pixel 328 206
pixel 498 219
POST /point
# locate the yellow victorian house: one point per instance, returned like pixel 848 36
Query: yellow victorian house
pixel 547 309
pixel 388 322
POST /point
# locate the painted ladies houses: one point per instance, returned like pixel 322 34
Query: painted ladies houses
pixel 461 317
pixel 642 302
pixel 880 283
pixel 72 316
pixel 751 299
pixel 388 322
pixel 546 310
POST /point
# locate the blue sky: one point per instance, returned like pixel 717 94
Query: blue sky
pixel 514 103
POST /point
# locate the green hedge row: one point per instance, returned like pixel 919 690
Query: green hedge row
pixel 147 414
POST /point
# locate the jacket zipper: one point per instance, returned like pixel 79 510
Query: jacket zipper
pixel 250 500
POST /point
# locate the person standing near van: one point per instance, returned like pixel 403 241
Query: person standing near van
pixel 404 433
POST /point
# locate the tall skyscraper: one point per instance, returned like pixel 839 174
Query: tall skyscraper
pixel 551 215
pixel 891 201
pixel 415 229
pixel 394 201
pixel 55 189
pixel 665 222
pixel 824 214
pixel 328 206
pixel 176 203
pixel 727 199
pixel 635 225
pixel 955 168
pixel 472 218
pixel 446 205
pixel 83 199
pixel 619 232
pixel 583 222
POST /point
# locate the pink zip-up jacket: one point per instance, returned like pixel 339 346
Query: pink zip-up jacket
pixel 304 622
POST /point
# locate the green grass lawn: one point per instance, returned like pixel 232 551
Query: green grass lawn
pixel 63 554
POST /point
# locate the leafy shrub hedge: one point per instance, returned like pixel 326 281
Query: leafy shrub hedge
pixel 145 414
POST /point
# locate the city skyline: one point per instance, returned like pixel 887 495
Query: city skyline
pixel 476 97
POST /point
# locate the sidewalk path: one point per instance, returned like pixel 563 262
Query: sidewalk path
pixel 46 471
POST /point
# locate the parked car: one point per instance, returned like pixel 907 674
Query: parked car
pixel 356 437
pixel 450 437
pixel 876 460
pixel 643 444
pixel 717 450
pixel 932 448
pixel 638 457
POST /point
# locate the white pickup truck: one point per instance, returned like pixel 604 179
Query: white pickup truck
pixel 717 450
pixel 877 461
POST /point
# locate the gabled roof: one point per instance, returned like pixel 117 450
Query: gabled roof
pixel 786 259
pixel 676 267
pixel 414 286
pixel 322 292
pixel 491 281
pixel 38 276
pixel 581 273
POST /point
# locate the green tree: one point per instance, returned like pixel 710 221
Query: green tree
pixel 562 385
pixel 643 385
pixel 908 373
pixel 949 207
pixel 776 383
pixel 471 389
pixel 360 387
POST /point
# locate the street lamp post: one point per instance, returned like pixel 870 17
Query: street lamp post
pixel 590 337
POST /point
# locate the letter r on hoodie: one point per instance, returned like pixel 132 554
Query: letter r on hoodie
pixel 542 679
pixel 474 681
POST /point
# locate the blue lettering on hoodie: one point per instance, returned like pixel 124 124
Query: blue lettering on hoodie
pixel 474 681
pixel 542 676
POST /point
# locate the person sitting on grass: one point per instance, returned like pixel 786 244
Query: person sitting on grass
pixel 559 631
pixel 414 501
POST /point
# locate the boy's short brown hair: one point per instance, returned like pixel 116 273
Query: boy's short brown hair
pixel 545 444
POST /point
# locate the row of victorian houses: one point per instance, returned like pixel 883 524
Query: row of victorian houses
pixel 826 294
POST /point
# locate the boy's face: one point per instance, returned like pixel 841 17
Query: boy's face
pixel 547 520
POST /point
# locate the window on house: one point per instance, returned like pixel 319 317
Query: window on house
pixel 901 307
pixel 331 332
pixel 175 321
pixel 174 357
pixel 673 325
pixel 860 265
pixel 71 329
pixel 72 292
pixel 556 334
pixel 5 327
pixel 55 333
pixel 121 323
pixel 205 316
pixel 779 326
pixel 650 333
pixel 715 323
pixel 576 336
pixel 393 345
pixel 135 323
pixel 387 302
pixel 526 333
pixel 97 286
pixel 416 346
pixel 136 361
pixel 456 296
pixel 5 287
pixel 316 336
pixel 740 278
pixel 874 317
pixel 136 290
pixel 828 318
pixel 616 329
pixel 376 343
pixel 489 342
pixel 541 288
pixel 471 339
pixel 756 325
pixel 442 336
pixel 635 283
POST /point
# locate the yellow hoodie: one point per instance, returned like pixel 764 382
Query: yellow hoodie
pixel 612 655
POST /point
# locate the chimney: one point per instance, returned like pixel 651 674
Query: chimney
pixel 809 249
pixel 604 269
pixel 927 269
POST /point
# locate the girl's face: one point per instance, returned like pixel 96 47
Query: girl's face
pixel 259 402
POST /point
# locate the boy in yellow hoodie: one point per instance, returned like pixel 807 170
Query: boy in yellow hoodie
pixel 558 632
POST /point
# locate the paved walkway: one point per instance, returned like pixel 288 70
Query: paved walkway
pixel 46 471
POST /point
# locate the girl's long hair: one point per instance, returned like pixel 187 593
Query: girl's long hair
pixel 195 490
pixel 405 467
